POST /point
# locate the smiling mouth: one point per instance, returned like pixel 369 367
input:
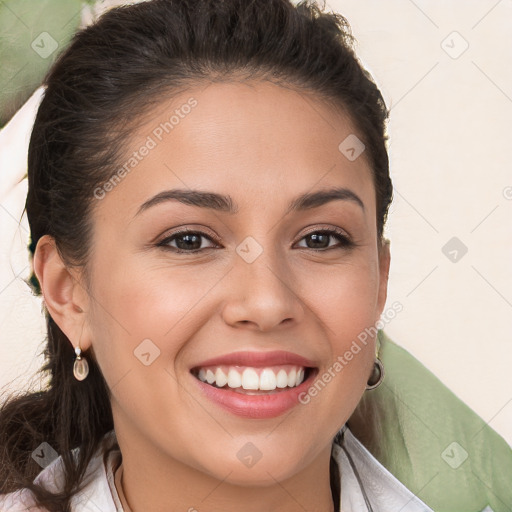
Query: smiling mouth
pixel 254 380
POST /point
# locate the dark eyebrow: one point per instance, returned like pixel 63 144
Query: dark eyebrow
pixel 321 197
pixel 222 203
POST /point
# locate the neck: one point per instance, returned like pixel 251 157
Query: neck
pixel 171 485
pixel 258 498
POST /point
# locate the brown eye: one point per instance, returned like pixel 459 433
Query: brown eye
pixel 186 241
pixel 320 240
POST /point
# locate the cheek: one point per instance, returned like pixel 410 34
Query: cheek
pixel 345 298
pixel 140 300
pixel 139 331
pixel 345 304
pixel 144 314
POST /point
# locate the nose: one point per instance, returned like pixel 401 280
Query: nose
pixel 263 295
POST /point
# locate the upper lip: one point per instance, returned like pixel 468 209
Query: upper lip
pixel 258 359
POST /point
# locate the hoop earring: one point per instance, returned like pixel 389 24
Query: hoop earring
pixel 80 367
pixel 377 375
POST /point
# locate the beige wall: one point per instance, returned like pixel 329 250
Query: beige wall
pixel 451 155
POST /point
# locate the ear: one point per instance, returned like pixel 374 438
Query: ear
pixel 384 262
pixel 64 296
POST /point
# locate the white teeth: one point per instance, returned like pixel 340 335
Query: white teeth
pixel 210 376
pixel 300 377
pixel 292 378
pixel 234 379
pixel 220 378
pixel 250 379
pixel 282 379
pixel 267 380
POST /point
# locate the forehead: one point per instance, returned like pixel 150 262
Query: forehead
pixel 254 140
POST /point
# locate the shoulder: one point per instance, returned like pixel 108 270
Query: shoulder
pixel 95 485
pixel 365 478
pixel 19 501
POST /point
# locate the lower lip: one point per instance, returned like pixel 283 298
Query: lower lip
pixel 255 406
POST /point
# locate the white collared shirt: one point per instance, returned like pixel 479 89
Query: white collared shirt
pixel 378 486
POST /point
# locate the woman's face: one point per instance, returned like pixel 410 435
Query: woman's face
pixel 257 279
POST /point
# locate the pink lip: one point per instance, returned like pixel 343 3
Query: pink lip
pixel 256 406
pixel 258 359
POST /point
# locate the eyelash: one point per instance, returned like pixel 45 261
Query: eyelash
pixel 344 241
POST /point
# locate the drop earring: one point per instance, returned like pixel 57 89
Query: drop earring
pixel 80 367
